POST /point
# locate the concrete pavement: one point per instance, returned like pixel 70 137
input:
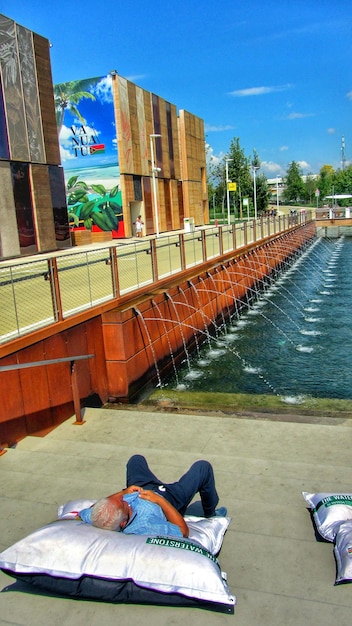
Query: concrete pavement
pixel 279 572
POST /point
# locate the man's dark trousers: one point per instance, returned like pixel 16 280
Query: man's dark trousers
pixel 199 478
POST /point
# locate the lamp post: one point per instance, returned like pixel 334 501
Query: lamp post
pixel 277 194
pixel 155 170
pixel 255 168
pixel 227 161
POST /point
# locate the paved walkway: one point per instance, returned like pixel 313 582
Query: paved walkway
pixel 280 573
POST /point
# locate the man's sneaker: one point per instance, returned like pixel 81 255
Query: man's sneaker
pixel 221 512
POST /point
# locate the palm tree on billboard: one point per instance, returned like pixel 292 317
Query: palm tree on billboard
pixel 67 96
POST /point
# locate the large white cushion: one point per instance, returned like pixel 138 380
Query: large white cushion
pixel 71 557
pixel 329 511
pixel 343 553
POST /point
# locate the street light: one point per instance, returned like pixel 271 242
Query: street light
pixel 227 161
pixel 255 168
pixel 277 194
pixel 155 170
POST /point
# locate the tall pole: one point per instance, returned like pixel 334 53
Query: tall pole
pixel 227 161
pixel 277 194
pixel 255 168
pixel 155 170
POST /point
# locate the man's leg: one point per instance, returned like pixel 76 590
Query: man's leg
pixel 199 478
pixel 138 473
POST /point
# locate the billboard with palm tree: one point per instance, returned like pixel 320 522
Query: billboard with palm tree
pixel 89 153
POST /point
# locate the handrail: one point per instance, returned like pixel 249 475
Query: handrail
pixel 46 289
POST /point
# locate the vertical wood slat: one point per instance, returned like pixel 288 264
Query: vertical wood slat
pixel 30 94
pixel 42 205
pixel 46 98
pixel 9 240
pixel 12 90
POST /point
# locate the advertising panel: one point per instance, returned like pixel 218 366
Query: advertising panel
pixel 89 154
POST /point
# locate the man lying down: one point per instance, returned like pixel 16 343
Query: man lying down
pixel 147 506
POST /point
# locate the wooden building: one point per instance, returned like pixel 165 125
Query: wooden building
pixel 133 154
pixel 159 155
pixel 33 213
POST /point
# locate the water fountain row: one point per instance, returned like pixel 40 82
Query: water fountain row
pixel 152 339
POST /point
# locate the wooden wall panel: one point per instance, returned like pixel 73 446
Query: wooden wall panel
pixel 10 391
pixel 34 381
pixel 9 240
pixel 143 132
pixel 42 205
pixel 12 89
pixel 161 204
pixel 191 132
pixel 58 375
pixel 123 123
pixel 132 102
pixel 97 366
pixel 164 139
pixel 175 141
pixel 46 98
pixel 175 208
pixel 30 93
pixel 148 114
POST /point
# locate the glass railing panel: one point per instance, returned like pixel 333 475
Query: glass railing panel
pixel 26 300
pixel 168 255
pixel 134 266
pixel 212 243
pixel 74 281
pixel 227 238
pixel 193 249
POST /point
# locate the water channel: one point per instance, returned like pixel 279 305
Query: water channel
pixel 292 339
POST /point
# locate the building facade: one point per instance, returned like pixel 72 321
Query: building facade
pixel 126 152
pixel 33 213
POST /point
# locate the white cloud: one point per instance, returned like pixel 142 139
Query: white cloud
pixel 258 91
pixel 349 95
pixel 283 148
pixel 272 169
pixel 298 116
pixel 211 128
pixel 66 155
pixel 304 165
pixel 136 77
pixel 331 131
pixel 103 89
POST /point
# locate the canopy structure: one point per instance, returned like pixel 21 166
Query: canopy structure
pixel 340 196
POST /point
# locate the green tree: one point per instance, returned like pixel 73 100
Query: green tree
pixel 262 189
pixel 310 185
pixel 216 184
pixel 263 193
pixel 342 183
pixel 239 173
pixel 294 190
pixel 326 180
pixel 68 96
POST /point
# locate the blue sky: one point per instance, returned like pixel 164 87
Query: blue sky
pixel 275 74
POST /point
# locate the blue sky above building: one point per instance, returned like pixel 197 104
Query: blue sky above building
pixel 276 75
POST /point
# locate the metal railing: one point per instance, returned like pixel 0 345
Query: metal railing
pixel 332 213
pixel 38 292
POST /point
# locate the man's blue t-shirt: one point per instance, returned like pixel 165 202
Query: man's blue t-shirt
pixel 148 518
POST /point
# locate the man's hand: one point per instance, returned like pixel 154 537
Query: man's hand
pixel 147 494
pixel 132 489
pixel 171 514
